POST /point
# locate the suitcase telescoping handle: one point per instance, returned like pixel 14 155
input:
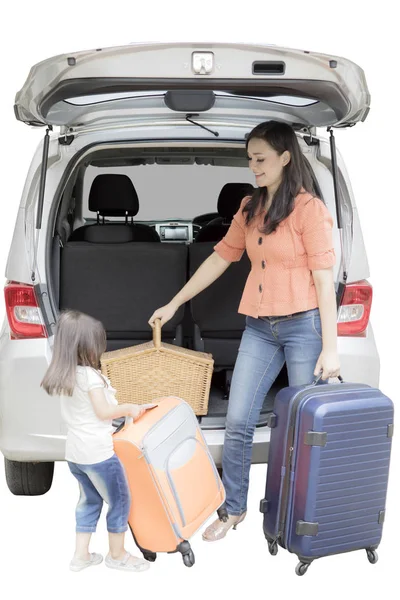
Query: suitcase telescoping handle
pixel 318 378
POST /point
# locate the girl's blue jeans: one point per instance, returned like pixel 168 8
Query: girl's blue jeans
pixel 102 482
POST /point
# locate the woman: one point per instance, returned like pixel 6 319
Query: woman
pixel 289 298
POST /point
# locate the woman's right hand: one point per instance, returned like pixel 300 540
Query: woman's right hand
pixel 165 313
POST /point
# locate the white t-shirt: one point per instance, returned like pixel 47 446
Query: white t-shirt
pixel 89 439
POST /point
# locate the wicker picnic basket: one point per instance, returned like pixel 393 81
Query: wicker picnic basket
pixel 147 371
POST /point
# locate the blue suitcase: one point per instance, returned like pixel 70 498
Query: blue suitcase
pixel 328 470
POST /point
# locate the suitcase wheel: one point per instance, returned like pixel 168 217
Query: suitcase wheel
pixel 273 548
pixel 187 553
pixel 188 559
pixel 301 568
pixel 372 556
pixel 222 514
pixel 150 556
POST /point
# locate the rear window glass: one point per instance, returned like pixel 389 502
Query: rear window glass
pixel 99 98
pixel 170 191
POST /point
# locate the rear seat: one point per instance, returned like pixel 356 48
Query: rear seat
pixel 218 325
pixel 121 284
pixel 229 200
pixel 114 195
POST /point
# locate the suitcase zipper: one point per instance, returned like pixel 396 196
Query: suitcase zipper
pixel 288 463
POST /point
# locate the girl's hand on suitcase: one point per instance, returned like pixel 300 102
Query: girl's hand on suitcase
pixel 328 363
pixel 165 313
pixel 137 410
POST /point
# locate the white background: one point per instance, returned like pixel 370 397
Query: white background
pixel 37 534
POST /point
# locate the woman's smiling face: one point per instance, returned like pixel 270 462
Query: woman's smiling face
pixel 266 164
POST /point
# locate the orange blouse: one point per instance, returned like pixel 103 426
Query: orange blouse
pixel 280 281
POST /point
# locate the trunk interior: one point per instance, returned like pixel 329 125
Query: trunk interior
pixel 132 226
pixel 218 403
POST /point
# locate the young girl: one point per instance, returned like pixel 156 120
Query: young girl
pixel 88 406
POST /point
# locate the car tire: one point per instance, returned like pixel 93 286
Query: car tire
pixel 28 478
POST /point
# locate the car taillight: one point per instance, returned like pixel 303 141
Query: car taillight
pixel 23 312
pixel 355 308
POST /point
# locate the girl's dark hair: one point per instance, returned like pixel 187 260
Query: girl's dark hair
pixel 296 175
pixel 79 340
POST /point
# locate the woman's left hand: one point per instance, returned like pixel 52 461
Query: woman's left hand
pixel 328 363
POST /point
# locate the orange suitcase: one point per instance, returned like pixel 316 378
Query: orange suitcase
pixel 174 484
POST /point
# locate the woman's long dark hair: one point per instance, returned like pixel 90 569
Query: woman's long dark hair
pixel 296 175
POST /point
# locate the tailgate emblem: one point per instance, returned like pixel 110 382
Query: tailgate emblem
pixel 202 62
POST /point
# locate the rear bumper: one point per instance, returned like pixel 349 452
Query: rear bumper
pixel 31 428
pixel 215 442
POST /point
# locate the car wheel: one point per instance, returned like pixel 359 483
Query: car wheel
pixel 28 478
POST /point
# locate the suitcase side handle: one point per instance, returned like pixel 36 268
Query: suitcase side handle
pixel 129 420
pixel 318 378
pixel 147 407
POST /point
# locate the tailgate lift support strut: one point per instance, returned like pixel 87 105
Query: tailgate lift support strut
pixel 41 289
pixel 335 176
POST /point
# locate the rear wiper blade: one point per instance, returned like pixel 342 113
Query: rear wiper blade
pixel 189 118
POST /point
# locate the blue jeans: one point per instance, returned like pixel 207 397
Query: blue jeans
pixel 105 481
pixel 265 346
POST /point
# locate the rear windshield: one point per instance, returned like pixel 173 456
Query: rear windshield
pixel 173 191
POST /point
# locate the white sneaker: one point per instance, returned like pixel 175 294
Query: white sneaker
pixel 128 563
pixel 78 564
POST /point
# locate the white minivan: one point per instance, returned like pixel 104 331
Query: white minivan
pixel 141 168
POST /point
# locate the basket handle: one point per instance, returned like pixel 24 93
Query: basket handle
pixel 157 333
